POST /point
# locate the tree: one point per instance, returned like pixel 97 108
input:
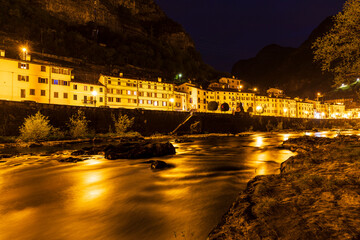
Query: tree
pixel 78 125
pixel 338 51
pixel 122 123
pixel 35 128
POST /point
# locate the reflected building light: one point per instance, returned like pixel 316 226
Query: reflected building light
pixel 286 137
pixel 93 194
pixel 259 141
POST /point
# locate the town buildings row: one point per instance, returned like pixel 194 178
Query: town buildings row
pixel 26 80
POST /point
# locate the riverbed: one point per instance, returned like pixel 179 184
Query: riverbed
pixel 42 198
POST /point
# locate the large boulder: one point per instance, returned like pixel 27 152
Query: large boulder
pixel 139 150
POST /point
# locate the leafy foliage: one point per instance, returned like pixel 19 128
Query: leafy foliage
pixel 338 51
pixel 78 125
pixel 122 123
pixel 36 127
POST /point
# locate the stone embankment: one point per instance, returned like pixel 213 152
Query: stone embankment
pixel 316 195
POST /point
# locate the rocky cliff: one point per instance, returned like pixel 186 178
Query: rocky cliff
pixel 116 34
pixel 291 69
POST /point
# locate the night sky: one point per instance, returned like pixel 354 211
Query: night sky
pixel 226 31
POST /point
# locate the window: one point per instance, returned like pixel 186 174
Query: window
pixel 43 68
pixel 128 92
pixel 110 99
pixel 128 84
pixel 118 91
pixel 135 93
pixel 149 86
pixel 23 78
pixel 140 86
pixel 164 104
pixel 65 95
pixel 75 97
pixel 164 88
pixel 155 87
pixel 129 100
pixel 85 99
pixel 43 92
pixel 23 65
pixel 75 86
pixel 149 102
pixel 101 90
pixel 118 99
pixel 155 94
pixel 22 93
pixel 91 89
pixel 55 82
pixel 56 95
pixel 32 91
pixel 42 80
pixel 85 88
pixel 101 99
pixel 109 82
pixel 119 83
pixel 141 101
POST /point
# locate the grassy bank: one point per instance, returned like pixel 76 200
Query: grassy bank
pixel 316 195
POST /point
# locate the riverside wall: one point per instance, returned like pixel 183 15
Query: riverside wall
pixel 147 122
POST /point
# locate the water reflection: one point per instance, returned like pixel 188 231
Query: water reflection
pixel 125 199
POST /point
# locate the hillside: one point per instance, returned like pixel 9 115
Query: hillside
pixel 118 34
pixel 291 69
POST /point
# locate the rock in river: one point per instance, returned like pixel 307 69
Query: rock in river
pixel 139 150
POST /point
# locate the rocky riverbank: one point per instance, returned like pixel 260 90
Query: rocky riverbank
pixel 316 195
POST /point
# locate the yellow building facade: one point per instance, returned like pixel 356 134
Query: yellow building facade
pixel 134 93
pixel 27 81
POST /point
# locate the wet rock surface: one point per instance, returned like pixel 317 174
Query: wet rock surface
pixel 316 195
pixel 71 160
pixel 138 150
pixel 183 140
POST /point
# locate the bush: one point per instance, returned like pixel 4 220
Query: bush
pixel 78 125
pixel 35 128
pixel 122 123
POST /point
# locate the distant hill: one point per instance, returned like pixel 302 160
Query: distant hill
pixel 116 34
pixel 291 69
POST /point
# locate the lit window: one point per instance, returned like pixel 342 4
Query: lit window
pixel 155 103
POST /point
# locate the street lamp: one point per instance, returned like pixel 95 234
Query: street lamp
pixel 24 52
pixel 172 103
pixel 94 93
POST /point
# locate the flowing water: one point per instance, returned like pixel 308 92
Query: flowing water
pixel 41 198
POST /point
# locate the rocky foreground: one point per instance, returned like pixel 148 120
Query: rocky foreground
pixel 316 195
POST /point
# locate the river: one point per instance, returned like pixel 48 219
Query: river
pixel 41 198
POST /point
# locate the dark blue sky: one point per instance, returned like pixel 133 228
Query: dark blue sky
pixel 226 31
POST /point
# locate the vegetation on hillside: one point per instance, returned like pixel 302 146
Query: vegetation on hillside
pixel 338 51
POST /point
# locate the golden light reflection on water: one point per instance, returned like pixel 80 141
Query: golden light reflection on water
pixel 285 137
pixel 259 141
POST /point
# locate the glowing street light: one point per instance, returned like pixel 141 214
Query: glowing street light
pixel 255 89
pixel 94 93
pixel 172 103
pixel 24 52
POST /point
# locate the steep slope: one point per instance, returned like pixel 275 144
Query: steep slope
pixel 291 69
pixel 112 33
